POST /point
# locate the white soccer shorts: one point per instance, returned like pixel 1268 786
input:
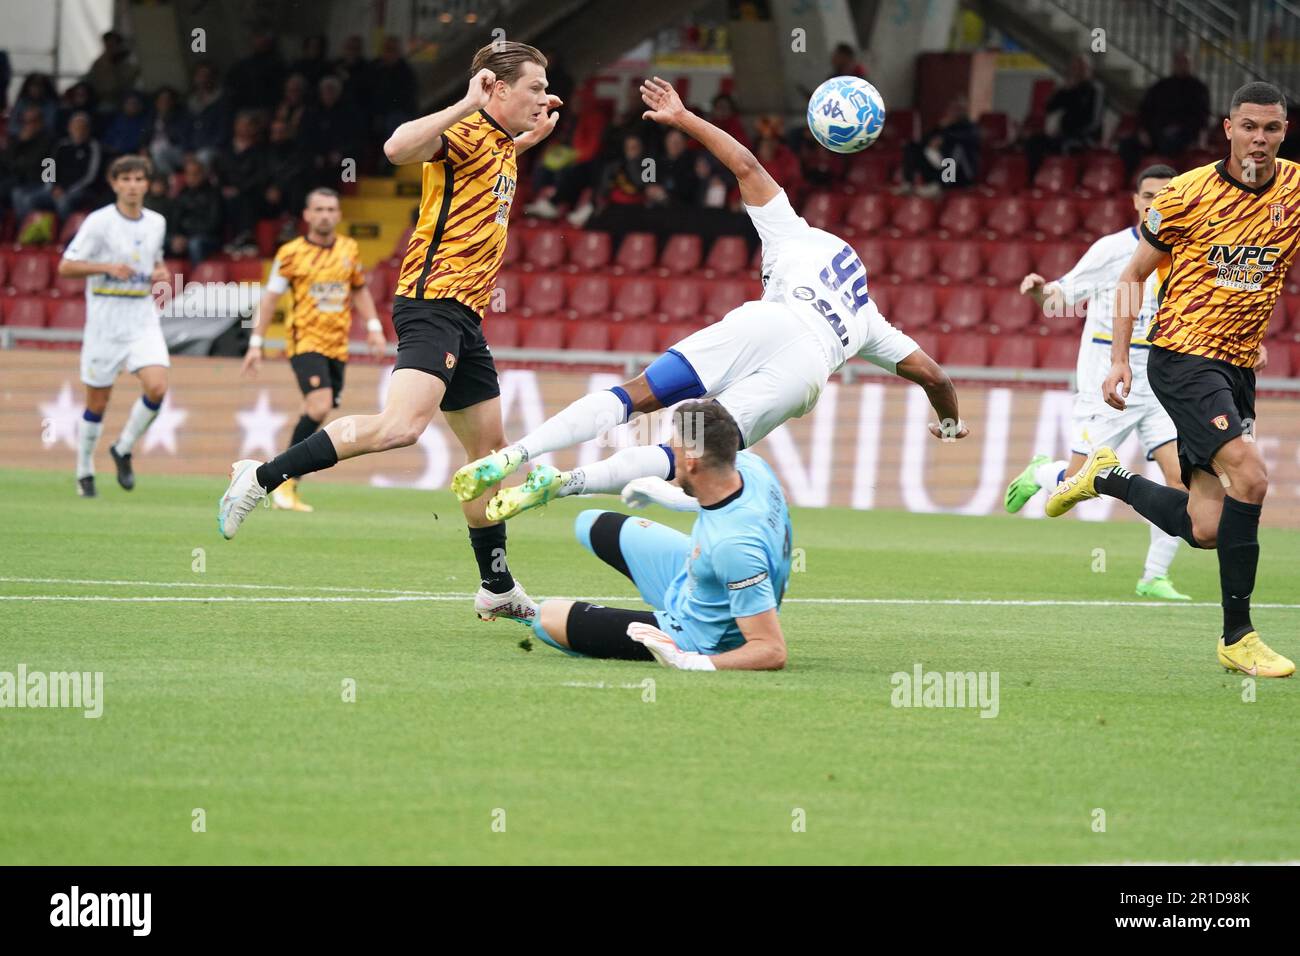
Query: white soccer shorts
pixel 1092 424
pixel 103 358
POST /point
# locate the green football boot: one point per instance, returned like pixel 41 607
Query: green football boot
pixel 543 484
pixel 1023 486
pixel 1161 588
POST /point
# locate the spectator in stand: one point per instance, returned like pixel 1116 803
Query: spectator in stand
pixel 209 115
pixel 38 91
pixel 194 228
pixel 128 129
pixel 331 132
pixel 559 81
pixel 77 98
pixel 354 70
pixel 553 168
pixel 1173 116
pixel 947 157
pixel 711 188
pixel 293 105
pixel 778 158
pixel 392 88
pixel 621 182
pixel 1072 122
pixel 23 158
pixel 314 63
pixel 114 72
pixel 724 116
pixel 675 181
pixel 243 172
pixel 844 62
pixel 168 136
pixel 159 198
pixel 78 161
pixel 288 169
pixel 255 81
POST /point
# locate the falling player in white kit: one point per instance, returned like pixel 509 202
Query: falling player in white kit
pixel 765 362
pixel 119 252
pixel 1094 423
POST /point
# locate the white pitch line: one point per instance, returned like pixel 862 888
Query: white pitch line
pixel 206 584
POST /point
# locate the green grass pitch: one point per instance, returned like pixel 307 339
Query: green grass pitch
pixel 231 701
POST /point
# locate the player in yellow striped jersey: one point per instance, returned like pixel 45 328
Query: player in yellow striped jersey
pixel 322 271
pixel 1229 231
pixel 468 154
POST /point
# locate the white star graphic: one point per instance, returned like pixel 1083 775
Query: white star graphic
pixel 59 419
pixel 162 432
pixel 261 427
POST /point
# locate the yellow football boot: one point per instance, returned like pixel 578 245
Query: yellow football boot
pixel 1252 656
pixel 1078 487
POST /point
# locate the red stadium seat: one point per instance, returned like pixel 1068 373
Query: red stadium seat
pixel 823 210
pixel 913 216
pixel 868 171
pixel 875 258
pixel 682 254
pixel 1055 259
pixel 4 261
pixel 508 296
pixel 882 295
pixel 590 251
pixel 1009 311
pixel 26 311
pixel 250 270
pixel 1056 218
pixel 681 301
pixel 590 298
pixel 966 349
pixel 1009 217
pixel 964 308
pixel 545 296
pixel 1280 361
pixel 868 214
pixel 69 287
pixel 1103 173
pixel 1008 175
pixel 636 253
pixel 725 296
pixel 961 215
pixel 634 337
pixel 70 227
pixel 1013 351
pixel 30 273
pixel 1007 262
pixel 381 288
pixel 69 314
pixel 1057 174
pixel 589 337
pixel 995 129
pixel 1068 321
pixel 915 307
pixel 1108 215
pixel 927 340
pixel 514 248
pixel 211 270
pixel 670 335
pixel 544 334
pixel 635 300
pixel 501 333
pixel 544 250
pixel 960 261
pixel 1060 352
pixel 727 256
pixel 912 260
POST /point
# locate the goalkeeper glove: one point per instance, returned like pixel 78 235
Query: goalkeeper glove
pixel 665 651
pixel 644 491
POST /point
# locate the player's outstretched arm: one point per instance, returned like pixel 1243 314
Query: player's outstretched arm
pixel 1048 295
pixel 929 374
pixel 757 187
pixel 764 647
pixel 1129 293
pixel 76 269
pixel 417 140
pixel 265 312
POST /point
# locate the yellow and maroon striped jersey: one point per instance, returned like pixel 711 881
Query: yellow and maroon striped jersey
pixel 1230 245
pixel 460 237
pixel 321 280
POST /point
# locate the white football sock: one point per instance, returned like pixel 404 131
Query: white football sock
pixel 608 477
pixel 141 418
pixel 1160 554
pixel 1046 474
pixel 582 421
pixel 87 439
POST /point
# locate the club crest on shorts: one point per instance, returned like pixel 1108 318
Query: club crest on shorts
pixel 450 360
pixel 314 381
pixel 1276 213
pixel 1220 422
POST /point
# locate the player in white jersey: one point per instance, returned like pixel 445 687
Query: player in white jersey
pixel 765 362
pixel 119 252
pixel 1093 422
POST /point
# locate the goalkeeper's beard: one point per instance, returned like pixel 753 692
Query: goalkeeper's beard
pixel 685 482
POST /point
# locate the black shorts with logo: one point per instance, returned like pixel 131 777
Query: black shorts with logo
pixel 1210 401
pixel 315 370
pixel 444 337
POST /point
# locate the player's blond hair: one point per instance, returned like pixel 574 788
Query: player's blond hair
pixel 506 59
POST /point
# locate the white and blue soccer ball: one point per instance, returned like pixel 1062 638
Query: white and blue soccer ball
pixel 846 114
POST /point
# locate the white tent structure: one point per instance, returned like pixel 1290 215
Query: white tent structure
pixel 59 37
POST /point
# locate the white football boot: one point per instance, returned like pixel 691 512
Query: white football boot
pixel 515 605
pixel 241 497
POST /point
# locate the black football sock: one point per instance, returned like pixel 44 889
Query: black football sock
pixel 1238 559
pixel 314 454
pixel 489 546
pixel 305 428
pixel 1164 507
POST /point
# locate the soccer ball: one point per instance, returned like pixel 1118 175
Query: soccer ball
pixel 846 114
